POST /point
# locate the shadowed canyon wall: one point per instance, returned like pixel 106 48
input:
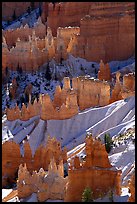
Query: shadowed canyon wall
pixel 8 9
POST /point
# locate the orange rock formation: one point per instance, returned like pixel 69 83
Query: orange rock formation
pixel 85 93
pixel 44 11
pixel 116 92
pixel 113 36
pixel 125 89
pixel 12 158
pixel 35 51
pixel 95 172
pixel 11 36
pixel 104 72
pixel 132 189
pixel 107 30
pixel 64 105
pixel 13 88
pixel 91 92
pixel 10 161
pixel 47 185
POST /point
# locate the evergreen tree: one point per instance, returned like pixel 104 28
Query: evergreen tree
pixel 111 196
pixel 32 5
pixel 87 195
pixel 40 10
pixel 108 142
pixel 48 73
pixel 7 71
pixel 14 16
pixel 28 10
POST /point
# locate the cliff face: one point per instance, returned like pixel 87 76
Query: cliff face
pixel 107 30
pixel 12 158
pixel 44 14
pixel 107 37
pixel 8 9
pixel 95 173
pixel 66 14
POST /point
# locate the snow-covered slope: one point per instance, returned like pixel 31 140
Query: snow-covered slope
pixel 95 120
pixel 114 118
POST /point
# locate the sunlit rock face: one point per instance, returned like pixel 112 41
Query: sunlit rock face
pixel 95 172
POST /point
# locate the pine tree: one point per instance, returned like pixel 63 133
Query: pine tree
pixel 108 142
pixel 87 195
pixel 14 16
pixel 48 73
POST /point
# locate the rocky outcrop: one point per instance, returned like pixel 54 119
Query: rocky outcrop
pixel 60 14
pixel 13 88
pixel 116 92
pixel 11 35
pixel 85 92
pixel 91 92
pixel 95 172
pixel 125 89
pixel 107 32
pixel 44 14
pixel 12 158
pixel 104 72
pixel 47 185
pixel 10 161
pixel 129 81
pixel 64 104
pixel 36 50
pixel 132 188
